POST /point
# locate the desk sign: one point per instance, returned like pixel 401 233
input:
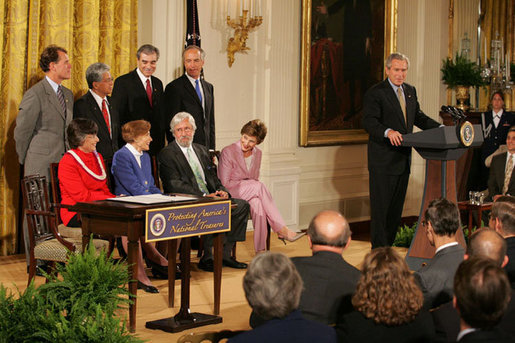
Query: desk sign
pixel 188 220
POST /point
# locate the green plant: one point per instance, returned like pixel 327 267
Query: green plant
pixel 461 72
pixel 79 306
pixel 404 235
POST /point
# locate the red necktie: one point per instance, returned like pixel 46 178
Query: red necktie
pixel 149 92
pixel 106 115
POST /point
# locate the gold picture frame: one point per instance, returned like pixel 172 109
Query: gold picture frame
pixel 315 134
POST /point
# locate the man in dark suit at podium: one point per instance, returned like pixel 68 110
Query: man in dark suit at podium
pixel 390 110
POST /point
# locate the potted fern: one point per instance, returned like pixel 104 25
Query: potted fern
pixel 460 74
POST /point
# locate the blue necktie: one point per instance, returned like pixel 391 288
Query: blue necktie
pixel 197 88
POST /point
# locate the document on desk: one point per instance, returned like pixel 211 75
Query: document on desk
pixel 152 198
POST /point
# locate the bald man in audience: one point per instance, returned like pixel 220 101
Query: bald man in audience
pixel 502 220
pixel 442 220
pixel 486 244
pixel 329 281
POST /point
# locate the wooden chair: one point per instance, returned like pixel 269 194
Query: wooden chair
pixel 211 336
pixel 68 231
pixel 45 243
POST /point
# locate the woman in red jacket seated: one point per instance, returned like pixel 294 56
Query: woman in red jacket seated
pixel 83 177
pixel 82 173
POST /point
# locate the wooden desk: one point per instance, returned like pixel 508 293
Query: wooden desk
pixel 113 218
pixel 467 206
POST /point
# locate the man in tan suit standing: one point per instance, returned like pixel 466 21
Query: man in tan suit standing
pixel 45 111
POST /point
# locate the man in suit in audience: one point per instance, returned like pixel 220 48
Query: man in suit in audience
pixel 96 106
pixel 501 180
pixel 502 220
pixel 190 93
pixel 442 220
pixel 390 110
pixel 482 293
pixel 185 167
pixel 329 280
pixel 139 95
pixel 482 244
pixel 45 111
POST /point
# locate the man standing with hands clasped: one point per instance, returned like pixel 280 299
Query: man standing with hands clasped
pixel 391 109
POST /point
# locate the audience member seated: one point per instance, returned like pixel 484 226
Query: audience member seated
pixel 326 272
pixel 501 180
pixel 132 174
pixel 482 244
pixel 273 287
pixel 442 220
pixel 502 220
pixel 82 174
pixel 185 167
pixel 238 170
pixel 387 304
pixel 481 295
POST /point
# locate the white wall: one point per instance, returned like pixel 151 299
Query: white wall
pixel 265 84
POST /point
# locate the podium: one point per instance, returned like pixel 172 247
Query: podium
pixel 440 147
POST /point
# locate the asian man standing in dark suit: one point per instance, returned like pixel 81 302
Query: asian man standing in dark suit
pixel 139 95
pixel 189 93
pixel 391 109
pixel 96 106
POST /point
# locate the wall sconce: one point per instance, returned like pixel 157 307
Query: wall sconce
pixel 249 19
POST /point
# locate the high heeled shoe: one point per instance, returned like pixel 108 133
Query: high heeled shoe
pixel 158 271
pixel 147 288
pixel 286 234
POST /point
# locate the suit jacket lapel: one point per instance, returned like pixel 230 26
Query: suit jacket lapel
pixel 97 112
pixel 207 99
pixel 139 85
pixel 191 90
pixel 53 99
pixel 394 100
pixel 183 163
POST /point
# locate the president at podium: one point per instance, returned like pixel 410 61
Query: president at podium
pixel 391 109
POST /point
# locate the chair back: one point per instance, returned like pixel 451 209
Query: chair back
pixel 211 336
pixel 39 212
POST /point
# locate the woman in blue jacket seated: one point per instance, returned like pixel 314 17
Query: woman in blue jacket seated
pixel 133 176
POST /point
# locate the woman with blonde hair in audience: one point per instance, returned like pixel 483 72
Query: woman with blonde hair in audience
pixel 132 174
pixel 387 304
pixel 239 172
pixel 273 287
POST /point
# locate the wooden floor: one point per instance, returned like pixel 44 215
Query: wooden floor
pixel 234 308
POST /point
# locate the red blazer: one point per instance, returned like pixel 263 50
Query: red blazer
pixel 77 185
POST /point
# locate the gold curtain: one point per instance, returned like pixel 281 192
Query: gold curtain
pixel 497 17
pixel 91 30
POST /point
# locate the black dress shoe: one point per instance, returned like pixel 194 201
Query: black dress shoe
pixel 146 288
pixel 231 262
pixel 206 265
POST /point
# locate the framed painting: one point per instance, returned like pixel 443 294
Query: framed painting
pixel 344 45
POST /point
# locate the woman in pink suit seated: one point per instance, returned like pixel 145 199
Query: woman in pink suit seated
pixel 238 170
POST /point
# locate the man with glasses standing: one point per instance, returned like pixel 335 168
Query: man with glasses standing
pixel 96 106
